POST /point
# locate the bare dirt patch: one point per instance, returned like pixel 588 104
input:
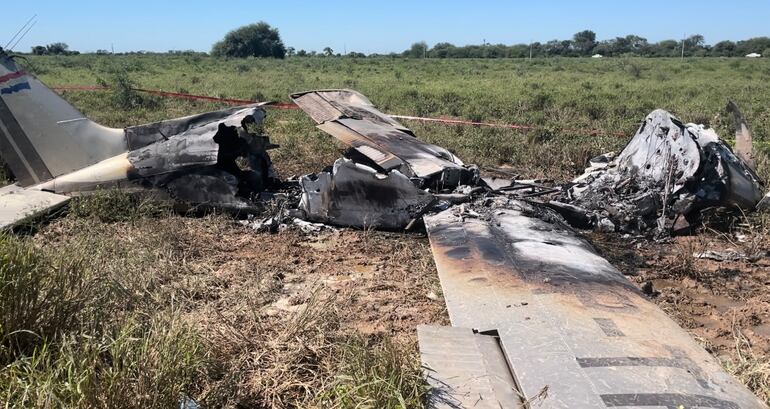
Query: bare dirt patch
pixel 722 303
pixel 385 283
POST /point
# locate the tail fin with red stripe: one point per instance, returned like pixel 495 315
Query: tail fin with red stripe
pixel 42 136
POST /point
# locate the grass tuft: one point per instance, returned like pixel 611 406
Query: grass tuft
pixel 110 206
pixel 751 369
pixel 379 374
pixel 39 296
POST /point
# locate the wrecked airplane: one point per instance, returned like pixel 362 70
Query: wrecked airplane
pixel 53 150
pixel 536 313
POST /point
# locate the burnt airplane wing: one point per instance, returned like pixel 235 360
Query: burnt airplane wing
pixel 537 312
pixel 379 140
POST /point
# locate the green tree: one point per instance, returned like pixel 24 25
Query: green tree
pixel 39 50
pixel 417 50
pixel 57 48
pixel 695 41
pixel 328 51
pixel 667 48
pixel 442 50
pixel 253 40
pixel 584 41
pixel 723 49
pixel 752 45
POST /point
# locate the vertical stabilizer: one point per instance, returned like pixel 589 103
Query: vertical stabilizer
pixel 42 136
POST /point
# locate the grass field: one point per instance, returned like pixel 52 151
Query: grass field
pixel 556 95
pixel 123 304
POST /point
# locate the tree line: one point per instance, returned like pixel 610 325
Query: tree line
pixel 53 49
pixel 262 40
pixel 584 44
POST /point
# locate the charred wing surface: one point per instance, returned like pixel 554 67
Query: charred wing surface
pixel 386 144
pixel 352 194
pixel 572 329
pixel 666 170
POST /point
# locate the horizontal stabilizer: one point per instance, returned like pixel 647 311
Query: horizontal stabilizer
pixel 465 369
pixel 18 205
pixel 352 119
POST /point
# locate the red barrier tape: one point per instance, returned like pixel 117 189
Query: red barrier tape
pixel 79 88
pixel 463 122
pixel 291 105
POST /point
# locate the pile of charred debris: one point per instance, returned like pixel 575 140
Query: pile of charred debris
pixel 665 178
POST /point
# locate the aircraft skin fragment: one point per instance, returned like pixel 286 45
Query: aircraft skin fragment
pixel 355 195
pixel 465 369
pixel 352 119
pixel 744 148
pixel 568 321
pixel 17 205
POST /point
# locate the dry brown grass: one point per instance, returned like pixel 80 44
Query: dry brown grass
pixel 750 368
pixel 176 307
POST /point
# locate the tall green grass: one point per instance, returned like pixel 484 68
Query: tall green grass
pixel 82 326
pixel 564 98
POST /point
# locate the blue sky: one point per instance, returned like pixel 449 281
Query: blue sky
pixel 373 26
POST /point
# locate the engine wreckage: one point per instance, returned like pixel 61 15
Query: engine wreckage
pixel 535 311
pixel 665 177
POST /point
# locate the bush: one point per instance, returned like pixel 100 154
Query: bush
pixel 125 97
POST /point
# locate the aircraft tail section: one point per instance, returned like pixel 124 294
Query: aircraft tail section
pixel 42 136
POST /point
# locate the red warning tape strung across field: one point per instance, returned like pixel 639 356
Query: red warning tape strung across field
pixel 285 105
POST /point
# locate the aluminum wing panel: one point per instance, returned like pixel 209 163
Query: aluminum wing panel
pixel 574 331
pixel 466 369
pixel 351 118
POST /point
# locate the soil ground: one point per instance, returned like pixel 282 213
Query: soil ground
pixel 723 304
